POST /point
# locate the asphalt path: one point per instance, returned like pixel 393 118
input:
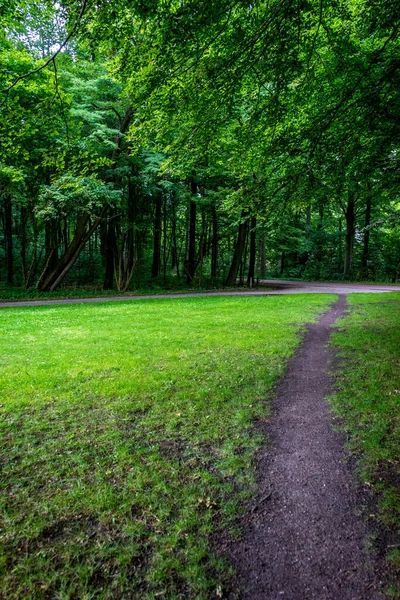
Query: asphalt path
pixel 278 287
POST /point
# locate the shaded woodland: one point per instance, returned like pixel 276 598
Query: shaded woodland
pixel 193 143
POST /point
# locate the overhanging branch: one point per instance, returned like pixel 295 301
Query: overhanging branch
pixel 51 59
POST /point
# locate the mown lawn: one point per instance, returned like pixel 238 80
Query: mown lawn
pixel 368 400
pixel 126 439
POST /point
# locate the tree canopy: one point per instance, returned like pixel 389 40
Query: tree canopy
pixel 198 141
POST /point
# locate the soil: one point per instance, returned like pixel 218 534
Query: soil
pixel 302 538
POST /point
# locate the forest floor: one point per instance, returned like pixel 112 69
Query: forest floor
pixel 300 521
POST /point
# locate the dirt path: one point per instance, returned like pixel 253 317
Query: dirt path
pixel 302 539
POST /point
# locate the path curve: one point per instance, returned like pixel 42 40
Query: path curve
pixel 279 286
pixel 301 537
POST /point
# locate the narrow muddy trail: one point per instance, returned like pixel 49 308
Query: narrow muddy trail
pixel 302 537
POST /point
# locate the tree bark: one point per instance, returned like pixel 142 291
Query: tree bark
pixel 9 240
pixel 156 266
pixel 238 251
pixel 282 262
pixel 174 244
pixel 165 227
pixel 23 240
pixel 340 245
pixel 191 261
pixel 82 233
pixel 350 231
pixel 262 259
pixel 214 247
pixel 252 260
pixel 110 249
pixel 365 254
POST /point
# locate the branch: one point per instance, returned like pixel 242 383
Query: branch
pixel 51 59
pixel 108 108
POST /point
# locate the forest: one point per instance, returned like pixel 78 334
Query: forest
pixel 172 142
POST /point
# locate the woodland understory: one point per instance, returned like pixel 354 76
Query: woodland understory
pixel 198 143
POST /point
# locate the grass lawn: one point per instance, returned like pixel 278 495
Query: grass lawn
pixel 126 439
pixel 368 399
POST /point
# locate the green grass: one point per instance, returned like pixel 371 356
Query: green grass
pixel 368 400
pixel 127 439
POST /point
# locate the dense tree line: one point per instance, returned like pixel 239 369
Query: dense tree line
pixel 201 141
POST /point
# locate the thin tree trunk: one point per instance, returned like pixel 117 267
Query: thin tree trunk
pixel 282 262
pixel 238 252
pixel 66 262
pixel 308 216
pixel 214 247
pixel 191 262
pixel 174 246
pixel 244 258
pixel 155 269
pixel 350 231
pixel 252 260
pixel 365 254
pixel 340 244
pixel 129 259
pixel 51 242
pixel 262 259
pixel 9 240
pixel 23 221
pixel 110 248
pixel 164 240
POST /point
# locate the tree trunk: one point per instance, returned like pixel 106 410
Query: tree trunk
pixel 252 260
pixel 110 250
pixel 9 240
pixel 174 245
pixel 340 245
pixel 214 247
pixel 365 254
pixel 130 240
pixel 82 233
pixel 238 252
pixel 156 266
pixel 191 261
pixel 350 230
pixel 282 262
pixel 244 258
pixel 262 259
pixel 165 226
pixel 34 259
pixel 51 244
pixel 23 221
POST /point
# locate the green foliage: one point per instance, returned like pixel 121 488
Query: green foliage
pixel 282 110
pixel 78 193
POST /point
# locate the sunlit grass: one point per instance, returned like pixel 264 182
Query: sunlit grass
pixel 127 441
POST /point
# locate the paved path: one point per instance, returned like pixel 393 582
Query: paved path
pixel 279 286
pixel 302 539
pixel 317 287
